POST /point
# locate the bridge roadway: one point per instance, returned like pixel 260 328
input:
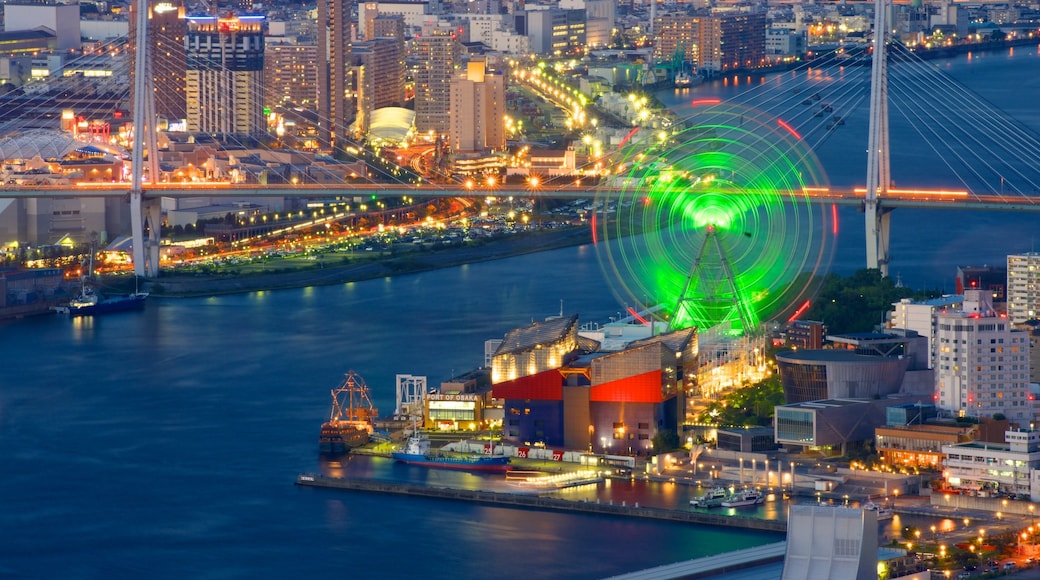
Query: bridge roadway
pixel 895 198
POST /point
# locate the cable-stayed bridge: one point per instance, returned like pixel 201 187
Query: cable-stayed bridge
pixel 987 161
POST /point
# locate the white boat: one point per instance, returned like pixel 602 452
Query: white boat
pixel 712 498
pixel 744 498
pixel 883 512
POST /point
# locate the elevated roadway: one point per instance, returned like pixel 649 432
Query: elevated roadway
pixel 896 198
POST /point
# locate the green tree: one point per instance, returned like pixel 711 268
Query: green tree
pixel 860 302
pixel 666 440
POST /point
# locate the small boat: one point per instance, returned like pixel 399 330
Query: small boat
pixel 417 452
pixel 351 420
pixel 712 498
pixel 744 498
pixel 89 302
pixel 883 512
pixel 683 80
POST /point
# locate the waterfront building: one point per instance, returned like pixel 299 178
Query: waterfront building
pixel 167 29
pixel 920 317
pixel 919 445
pixel 982 362
pixel 1023 287
pixel 436 58
pixel 478 109
pixel 225 76
pixel 291 75
pixel 561 388
pixel 336 107
pixel 987 467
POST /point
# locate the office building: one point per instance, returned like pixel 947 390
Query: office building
pixel 712 43
pixel 225 76
pixel 982 362
pixel 1023 287
pixel 478 109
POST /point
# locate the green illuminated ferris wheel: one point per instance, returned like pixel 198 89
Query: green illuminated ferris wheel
pixel 718 223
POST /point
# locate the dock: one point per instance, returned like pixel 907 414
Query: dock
pixel 542 502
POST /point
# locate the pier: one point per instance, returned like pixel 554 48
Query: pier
pixel 537 501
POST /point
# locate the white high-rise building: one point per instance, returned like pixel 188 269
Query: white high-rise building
pixel 1023 287
pixel 920 317
pixel 982 362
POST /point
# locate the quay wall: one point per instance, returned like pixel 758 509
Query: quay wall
pixel 534 501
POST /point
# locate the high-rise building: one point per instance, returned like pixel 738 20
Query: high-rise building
pixel 920 317
pixel 166 31
pixel 741 40
pixel 436 56
pixel 291 75
pixel 1023 287
pixel 982 362
pixel 478 108
pixel 380 77
pixel 679 37
pixel 713 43
pixel 335 77
pixel 225 75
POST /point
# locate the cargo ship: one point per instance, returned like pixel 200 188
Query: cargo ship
pixel 351 420
pixel 417 452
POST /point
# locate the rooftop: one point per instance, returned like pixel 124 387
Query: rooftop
pixel 537 335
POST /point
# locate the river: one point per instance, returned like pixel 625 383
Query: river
pixel 165 443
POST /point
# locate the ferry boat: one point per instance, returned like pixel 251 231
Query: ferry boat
pixel 89 302
pixel 744 498
pixel 350 422
pixel 712 498
pixel 883 512
pixel 417 452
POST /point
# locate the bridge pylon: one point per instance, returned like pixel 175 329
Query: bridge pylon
pixel 146 251
pixel 879 177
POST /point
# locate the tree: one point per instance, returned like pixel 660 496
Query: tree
pixel 666 440
pixel 858 303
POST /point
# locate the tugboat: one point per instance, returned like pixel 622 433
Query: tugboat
pixel 883 512
pixel 712 498
pixel 350 422
pixel 417 452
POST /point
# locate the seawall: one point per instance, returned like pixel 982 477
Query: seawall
pixel 534 501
